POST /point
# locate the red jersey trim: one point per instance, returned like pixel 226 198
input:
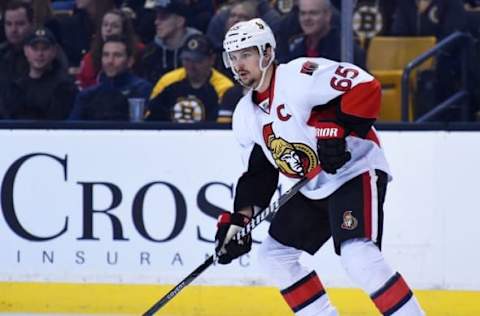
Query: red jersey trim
pixel 363 100
pixel 259 97
pixel 367 205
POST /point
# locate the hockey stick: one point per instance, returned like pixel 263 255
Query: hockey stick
pixel 256 220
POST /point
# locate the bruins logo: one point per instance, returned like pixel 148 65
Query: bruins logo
pixel 192 44
pixel 188 110
pixel 294 160
pixel 367 21
pixel 284 6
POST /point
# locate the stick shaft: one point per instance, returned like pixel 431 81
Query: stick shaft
pixel 173 292
pixel 256 220
pixel 275 206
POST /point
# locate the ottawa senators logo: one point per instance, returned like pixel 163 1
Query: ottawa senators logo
pixel 294 160
pixel 260 25
pixel 349 221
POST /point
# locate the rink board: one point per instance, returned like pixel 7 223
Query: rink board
pixel 204 300
pixel 53 181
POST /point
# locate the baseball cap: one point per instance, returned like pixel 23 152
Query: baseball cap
pixel 178 7
pixel 197 47
pixel 41 35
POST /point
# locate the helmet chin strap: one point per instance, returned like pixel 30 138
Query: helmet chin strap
pixel 264 72
pixel 264 69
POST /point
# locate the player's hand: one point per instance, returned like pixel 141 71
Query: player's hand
pixel 331 146
pixel 227 248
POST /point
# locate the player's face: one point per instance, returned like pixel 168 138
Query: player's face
pixel 245 62
pixel 314 16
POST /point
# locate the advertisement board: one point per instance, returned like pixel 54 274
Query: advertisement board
pixel 141 206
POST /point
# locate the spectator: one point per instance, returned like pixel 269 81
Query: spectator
pixel 193 92
pixel 161 55
pixel 18 24
pixel 319 38
pixel 241 10
pixel 204 11
pixel 428 18
pixel 373 17
pixel 216 29
pixel 43 17
pixel 78 29
pixel 47 92
pixel 108 100
pixel 288 28
pixel 114 22
pixel 143 18
pixel 229 102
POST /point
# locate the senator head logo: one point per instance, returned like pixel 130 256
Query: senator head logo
pixel 294 160
pixel 349 221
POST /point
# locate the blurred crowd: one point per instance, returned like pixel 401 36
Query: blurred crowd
pixel 93 59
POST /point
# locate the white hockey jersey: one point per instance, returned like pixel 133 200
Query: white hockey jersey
pixel 280 124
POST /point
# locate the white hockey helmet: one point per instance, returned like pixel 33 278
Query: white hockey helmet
pixel 252 33
pixel 245 34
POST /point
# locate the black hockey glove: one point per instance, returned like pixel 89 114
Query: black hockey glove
pixel 228 225
pixel 331 146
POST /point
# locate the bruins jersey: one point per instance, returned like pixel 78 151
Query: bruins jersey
pixel 174 99
pixel 281 129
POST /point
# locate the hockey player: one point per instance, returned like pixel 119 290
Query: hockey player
pixel 309 112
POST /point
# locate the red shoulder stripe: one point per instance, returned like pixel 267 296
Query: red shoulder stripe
pixel 363 100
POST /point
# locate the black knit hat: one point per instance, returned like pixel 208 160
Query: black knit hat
pixel 197 47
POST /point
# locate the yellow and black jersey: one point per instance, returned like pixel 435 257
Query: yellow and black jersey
pixel 174 99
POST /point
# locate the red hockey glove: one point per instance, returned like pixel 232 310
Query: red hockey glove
pixel 228 225
pixel 331 146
